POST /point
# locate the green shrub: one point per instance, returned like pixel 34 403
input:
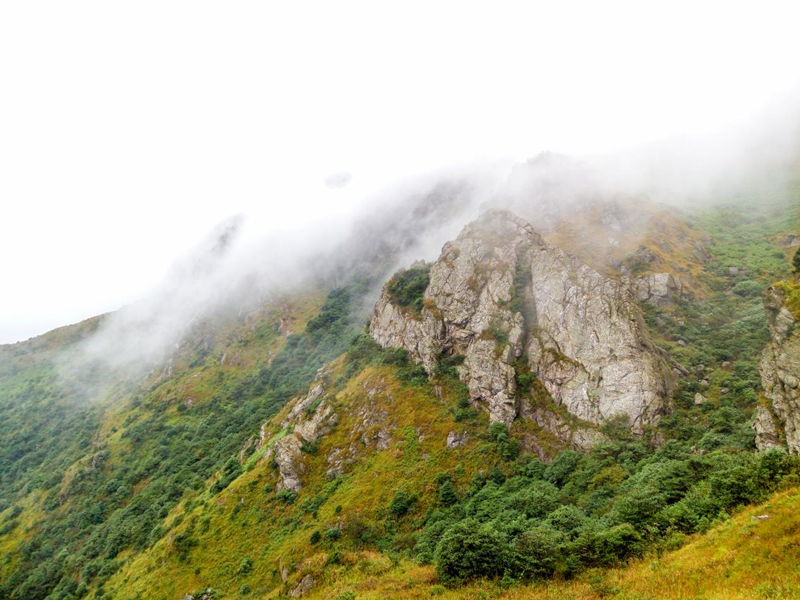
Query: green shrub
pixel 402 503
pixel 407 287
pixel 287 496
pixel 468 550
pixel 447 494
pixel 536 553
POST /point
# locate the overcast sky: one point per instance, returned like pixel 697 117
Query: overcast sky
pixel 128 129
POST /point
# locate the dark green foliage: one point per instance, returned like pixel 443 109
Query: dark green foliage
pixel 183 543
pixel 402 503
pixel 447 494
pixel 245 567
pixel 522 278
pixel 497 476
pixel 613 503
pixel 537 553
pixel 796 261
pixel 230 471
pixel 469 550
pixel 408 285
pixel 562 466
pixel 507 446
pixel 522 520
pixel 446 366
pixel 287 496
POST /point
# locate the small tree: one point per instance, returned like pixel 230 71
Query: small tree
pixel 447 495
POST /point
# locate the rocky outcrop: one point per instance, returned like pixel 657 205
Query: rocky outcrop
pixel 589 346
pixel 659 289
pixel 578 436
pixel 454 440
pixel 286 453
pixel 778 415
pixel 303 587
pixel 310 418
pixel 498 293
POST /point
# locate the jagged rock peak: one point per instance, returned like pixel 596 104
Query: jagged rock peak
pixel 498 293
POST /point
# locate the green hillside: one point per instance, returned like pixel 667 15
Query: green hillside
pixel 169 485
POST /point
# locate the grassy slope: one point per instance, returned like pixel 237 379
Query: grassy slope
pixel 248 521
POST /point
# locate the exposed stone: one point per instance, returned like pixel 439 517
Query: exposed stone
pixel 580 438
pixel 454 440
pixel 699 399
pixel 301 405
pixel 246 449
pixel 659 289
pixel 303 587
pixel 285 452
pixel 311 418
pixel 583 333
pixel 778 416
pixel 207 594
pixel 590 347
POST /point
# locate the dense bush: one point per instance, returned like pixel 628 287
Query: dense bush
pixel 408 285
pixel 567 517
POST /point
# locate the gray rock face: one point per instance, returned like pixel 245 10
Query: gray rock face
pixel 497 292
pixel 311 418
pixel 589 345
pixel 303 587
pixel 286 453
pixel 454 440
pixel 580 438
pixel 778 415
pixel 659 289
